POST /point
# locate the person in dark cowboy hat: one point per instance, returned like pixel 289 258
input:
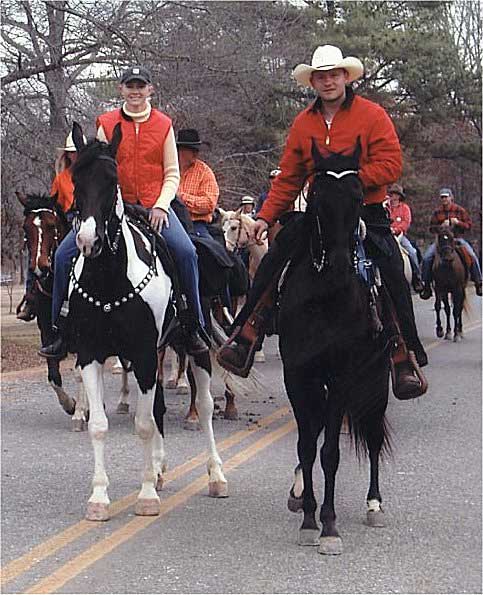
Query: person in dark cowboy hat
pixel 198 188
pixel 148 173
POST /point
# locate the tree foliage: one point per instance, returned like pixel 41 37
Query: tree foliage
pixel 224 68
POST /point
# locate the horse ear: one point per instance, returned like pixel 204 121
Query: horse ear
pixel 116 139
pixel 317 157
pixel 77 136
pixel 21 197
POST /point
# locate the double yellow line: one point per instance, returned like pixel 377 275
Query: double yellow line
pixel 79 563
pixel 92 554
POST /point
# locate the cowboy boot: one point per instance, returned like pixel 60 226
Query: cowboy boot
pixel 426 293
pixel 58 348
pixel 26 309
pixel 195 344
pixel 238 353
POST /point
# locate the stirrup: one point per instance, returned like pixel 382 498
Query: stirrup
pixel 423 383
pixel 244 371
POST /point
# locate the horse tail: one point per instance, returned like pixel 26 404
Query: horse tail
pixel 370 430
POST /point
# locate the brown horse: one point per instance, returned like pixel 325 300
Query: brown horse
pixel 450 276
pixel 44 227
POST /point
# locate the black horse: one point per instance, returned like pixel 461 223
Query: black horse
pixel 335 363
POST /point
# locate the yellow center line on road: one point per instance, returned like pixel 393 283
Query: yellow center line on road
pixel 20 565
pixel 57 542
pixel 71 569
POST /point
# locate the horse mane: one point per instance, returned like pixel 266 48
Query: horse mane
pixel 34 202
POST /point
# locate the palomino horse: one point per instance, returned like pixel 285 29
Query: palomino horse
pixel 450 276
pixel 119 298
pixel 335 361
pixel 44 226
pixel 239 234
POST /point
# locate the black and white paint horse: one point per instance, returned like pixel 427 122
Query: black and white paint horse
pixel 119 298
pixel 333 362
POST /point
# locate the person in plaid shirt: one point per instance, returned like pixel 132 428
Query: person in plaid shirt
pixel 198 188
pixel 451 215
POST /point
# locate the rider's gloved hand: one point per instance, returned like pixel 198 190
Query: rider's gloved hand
pixel 158 218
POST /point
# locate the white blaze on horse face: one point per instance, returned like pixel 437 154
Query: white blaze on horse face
pixel 38 224
pixel 86 236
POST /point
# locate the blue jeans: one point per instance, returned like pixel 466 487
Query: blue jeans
pixel 182 250
pixel 475 271
pixel 411 250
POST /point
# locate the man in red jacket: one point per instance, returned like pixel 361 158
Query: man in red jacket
pixel 336 120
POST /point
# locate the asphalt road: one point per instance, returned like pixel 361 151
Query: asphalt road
pixel 247 543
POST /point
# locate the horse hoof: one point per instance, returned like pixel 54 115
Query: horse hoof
pixel 439 333
pixel 159 483
pixel 330 546
pixel 171 383
pixel 97 511
pixel 457 339
pixel 147 507
pixel 309 537
pixel 375 518
pixel 122 408
pixel 295 504
pixel 191 424
pixel 79 425
pixel 231 414
pixel 218 489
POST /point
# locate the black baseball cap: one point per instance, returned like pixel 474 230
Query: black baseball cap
pixel 136 73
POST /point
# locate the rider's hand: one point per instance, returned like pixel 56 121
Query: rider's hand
pixel 260 230
pixel 454 221
pixel 445 223
pixel 158 218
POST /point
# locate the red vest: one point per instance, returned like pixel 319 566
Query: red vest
pixel 139 156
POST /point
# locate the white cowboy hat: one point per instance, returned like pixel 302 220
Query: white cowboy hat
pixel 69 144
pixel 328 57
pixel 247 200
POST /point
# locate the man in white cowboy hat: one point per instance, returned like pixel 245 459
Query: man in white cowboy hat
pixel 336 121
pixel 247 205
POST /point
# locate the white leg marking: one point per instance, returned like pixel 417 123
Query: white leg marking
pixel 145 428
pixel 298 484
pixel 204 405
pixel 373 505
pixel 98 425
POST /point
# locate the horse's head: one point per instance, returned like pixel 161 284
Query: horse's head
pixel 238 230
pixel 445 244
pixel 95 189
pixel 334 206
pixel 43 227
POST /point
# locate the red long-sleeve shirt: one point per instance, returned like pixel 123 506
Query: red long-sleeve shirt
pixel 380 162
pixel 400 218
